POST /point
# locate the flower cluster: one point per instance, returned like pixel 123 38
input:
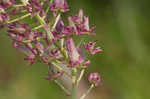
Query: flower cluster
pixel 4 4
pixel 52 42
pixel 35 7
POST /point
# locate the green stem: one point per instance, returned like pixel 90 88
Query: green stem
pixel 40 19
pixel 62 87
pixel 88 91
pixel 74 92
pixel 38 27
pixel 74 83
pixel 19 5
pixel 20 18
pixel 81 75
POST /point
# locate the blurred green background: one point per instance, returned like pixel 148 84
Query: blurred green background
pixel 122 32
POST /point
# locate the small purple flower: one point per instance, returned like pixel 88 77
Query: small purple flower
pixel 75 57
pixel 94 78
pixel 90 47
pixel 59 5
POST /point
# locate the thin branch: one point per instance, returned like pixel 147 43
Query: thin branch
pixel 20 18
pixel 38 27
pixel 62 87
pixel 88 91
pixel 81 75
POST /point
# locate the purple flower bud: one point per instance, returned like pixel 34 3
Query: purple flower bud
pixel 59 26
pixel 90 47
pixel 20 28
pixel 86 63
pixel 86 23
pixel 59 5
pixel 46 40
pixel 4 17
pixel 94 78
pixel 72 25
pixel 31 59
pixel 30 55
pixel 31 36
pixel 75 57
pixel 6 3
pixel 39 47
pixel 78 18
pixel 30 47
pixel 54 53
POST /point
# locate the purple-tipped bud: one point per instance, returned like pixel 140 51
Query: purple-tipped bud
pixel 30 55
pixel 86 63
pixel 86 23
pixel 90 47
pixel 20 28
pixel 35 7
pixel 16 37
pixel 94 78
pixel 75 57
pixel 59 26
pixel 4 17
pixel 72 25
pixel 31 36
pixel 54 53
pixel 39 47
pixel 59 5
pixel 53 75
pixel 78 18
pixel 80 24
pixel 31 59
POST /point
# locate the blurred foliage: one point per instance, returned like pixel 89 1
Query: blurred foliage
pixel 122 32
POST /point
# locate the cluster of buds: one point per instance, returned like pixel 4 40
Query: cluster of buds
pixel 52 42
pixel 94 78
pixel 4 4
pixel 35 7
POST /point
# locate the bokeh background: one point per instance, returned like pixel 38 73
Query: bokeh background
pixel 122 32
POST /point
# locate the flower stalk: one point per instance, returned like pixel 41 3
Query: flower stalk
pixel 62 87
pixel 88 91
pixel 80 76
pixel 18 19
pixel 54 44
pixel 74 83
